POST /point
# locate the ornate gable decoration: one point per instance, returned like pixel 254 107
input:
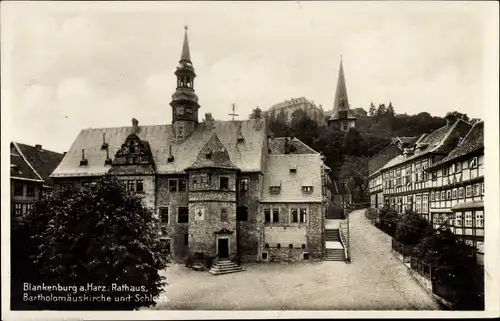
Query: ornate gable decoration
pixel 134 151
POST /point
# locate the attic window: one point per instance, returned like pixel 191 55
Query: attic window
pixel 84 161
pixel 240 139
pixel 274 190
pixel 293 170
pixel 208 155
pixel 307 189
pixel 108 161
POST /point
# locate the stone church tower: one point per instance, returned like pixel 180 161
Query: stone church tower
pixel 342 116
pixel 184 101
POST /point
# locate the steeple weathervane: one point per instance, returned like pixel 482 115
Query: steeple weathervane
pixel 233 114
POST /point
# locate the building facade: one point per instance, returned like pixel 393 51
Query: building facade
pixel 289 106
pixel 457 190
pixel 443 182
pixel 220 188
pixel 30 167
pixel 342 116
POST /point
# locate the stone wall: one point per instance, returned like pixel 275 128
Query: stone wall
pixel 247 231
pixel 175 231
pixel 206 221
pixel 314 228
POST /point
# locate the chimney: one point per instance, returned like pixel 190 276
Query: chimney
pixel 38 147
pixel 287 145
pixel 209 121
pixel 135 125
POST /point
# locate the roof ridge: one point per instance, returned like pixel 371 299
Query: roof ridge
pixel 44 150
pixel 24 158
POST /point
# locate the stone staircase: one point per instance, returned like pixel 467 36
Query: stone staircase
pixel 332 235
pixel 225 267
pixel 337 253
pixel 334 255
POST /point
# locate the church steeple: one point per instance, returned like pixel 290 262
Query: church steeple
pixel 341 113
pixel 184 101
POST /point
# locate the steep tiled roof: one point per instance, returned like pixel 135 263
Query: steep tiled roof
pixel 308 174
pixel 213 155
pixel 38 163
pixel 439 141
pixel 277 146
pixel 245 154
pixel 20 169
pixel 472 142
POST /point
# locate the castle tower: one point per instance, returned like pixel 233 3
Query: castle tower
pixel 184 101
pixel 342 116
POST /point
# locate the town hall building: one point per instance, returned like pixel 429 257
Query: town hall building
pixel 220 188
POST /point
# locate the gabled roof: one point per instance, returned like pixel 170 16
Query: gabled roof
pixel 246 155
pixel 277 146
pixel 308 167
pixel 439 141
pixel 34 163
pixel 473 141
pixel 406 140
pixel 213 155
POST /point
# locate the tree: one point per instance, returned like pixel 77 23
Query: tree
pixel 390 110
pixel 373 110
pixel 412 228
pixel 457 115
pixel 98 235
pixel 388 219
pixel 381 110
pixel 256 113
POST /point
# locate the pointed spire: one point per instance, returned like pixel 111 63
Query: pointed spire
pixel 341 102
pixel 185 56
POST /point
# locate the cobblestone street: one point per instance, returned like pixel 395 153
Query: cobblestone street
pixel 375 280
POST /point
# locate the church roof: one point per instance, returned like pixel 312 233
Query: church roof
pixel 308 173
pixel 213 155
pixel 245 154
pixel 277 146
pixel 341 102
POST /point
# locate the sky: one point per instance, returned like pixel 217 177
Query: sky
pixel 71 66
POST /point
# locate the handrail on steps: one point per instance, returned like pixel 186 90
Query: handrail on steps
pixel 344 242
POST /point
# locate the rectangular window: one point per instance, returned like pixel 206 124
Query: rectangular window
pixel 458 219
pixel 18 189
pixel 223 215
pixel 196 182
pixel 206 181
pixel 307 189
pixel 448 195
pixel 295 215
pixel 276 217
pixel 267 215
pixel 445 171
pixel 434 176
pixel 18 209
pixel 131 185
pixel 473 163
pixel 274 189
pixel 468 219
pixel 458 167
pixel 438 194
pixel 244 182
pixel 182 215
pixel 468 191
pixel 30 189
pixel 165 245
pixel 454 193
pixel 164 215
pixel 460 192
pixel 182 185
pixel 433 196
pixel 303 215
pixel 479 219
pixel 172 185
pixel 29 208
pixel 476 189
pixel 139 186
pixel 224 182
